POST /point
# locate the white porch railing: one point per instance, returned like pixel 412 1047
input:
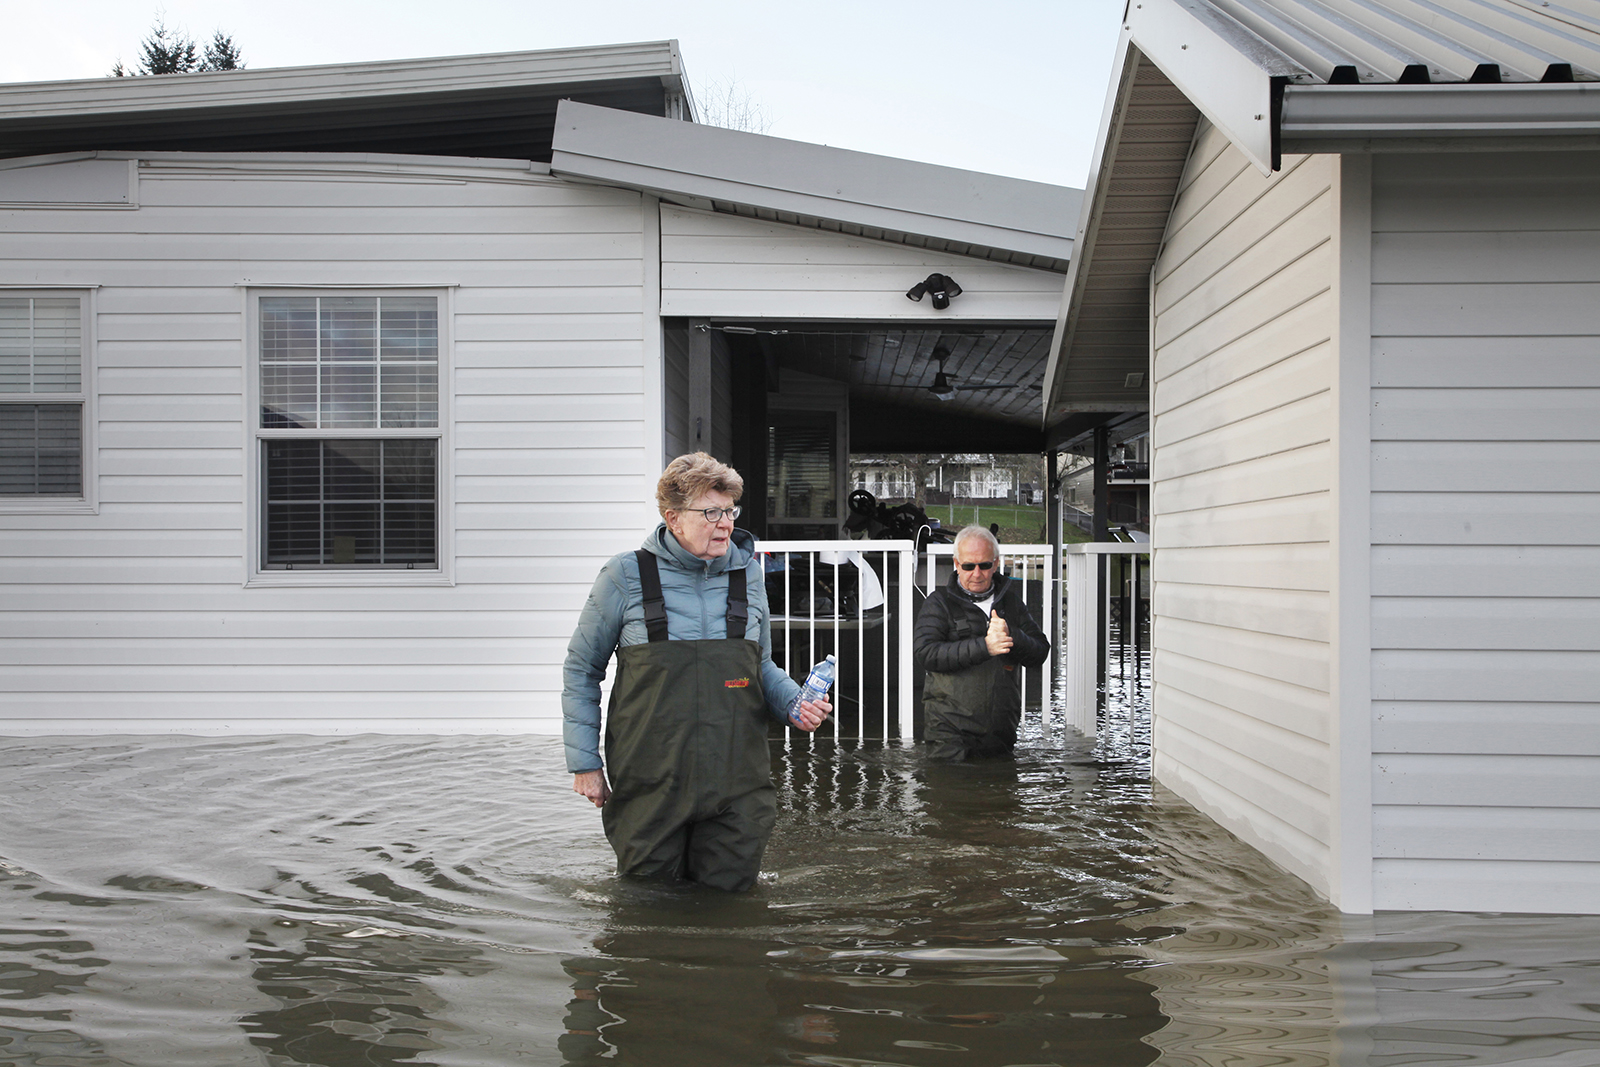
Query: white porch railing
pixel 835 596
pixel 1026 564
pixel 1084 594
pixel 855 599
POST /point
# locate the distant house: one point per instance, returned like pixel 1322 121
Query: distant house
pixel 963 477
pixel 324 392
pixel 1356 250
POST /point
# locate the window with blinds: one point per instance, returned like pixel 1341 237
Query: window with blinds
pixel 802 474
pixel 42 396
pixel 349 431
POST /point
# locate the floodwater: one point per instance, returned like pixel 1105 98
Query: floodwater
pixel 168 902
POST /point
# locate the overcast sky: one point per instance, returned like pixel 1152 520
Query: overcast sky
pixel 1013 87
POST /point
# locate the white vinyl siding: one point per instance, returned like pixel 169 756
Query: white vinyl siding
pixel 138 619
pixel 719 264
pixel 1486 544
pixel 1241 475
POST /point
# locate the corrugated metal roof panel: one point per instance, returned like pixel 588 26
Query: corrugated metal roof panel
pixel 1437 41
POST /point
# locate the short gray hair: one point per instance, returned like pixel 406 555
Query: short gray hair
pixel 969 532
pixel 690 476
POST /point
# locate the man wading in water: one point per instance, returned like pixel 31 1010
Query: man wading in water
pixel 690 795
pixel 970 637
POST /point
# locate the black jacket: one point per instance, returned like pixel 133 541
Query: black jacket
pixel 950 630
pixel 971 700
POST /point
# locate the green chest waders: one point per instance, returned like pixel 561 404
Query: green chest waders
pixel 686 747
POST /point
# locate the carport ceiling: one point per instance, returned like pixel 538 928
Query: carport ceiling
pixel 896 364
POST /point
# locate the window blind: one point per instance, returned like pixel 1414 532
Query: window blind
pixel 41 449
pixel 41 345
pixel 360 502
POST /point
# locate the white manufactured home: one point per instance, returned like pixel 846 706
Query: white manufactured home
pixel 1356 250
pixel 325 392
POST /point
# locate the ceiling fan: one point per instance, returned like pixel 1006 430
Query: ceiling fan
pixel 944 389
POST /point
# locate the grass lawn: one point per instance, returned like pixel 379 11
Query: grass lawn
pixel 1020 524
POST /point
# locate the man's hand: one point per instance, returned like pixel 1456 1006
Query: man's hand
pixel 999 636
pixel 812 714
pixel 592 785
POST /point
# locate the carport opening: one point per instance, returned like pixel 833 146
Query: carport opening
pixel 789 403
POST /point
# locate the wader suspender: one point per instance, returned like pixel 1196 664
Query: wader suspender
pixel 655 605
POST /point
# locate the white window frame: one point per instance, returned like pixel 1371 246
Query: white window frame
pixel 88 500
pixel 443 573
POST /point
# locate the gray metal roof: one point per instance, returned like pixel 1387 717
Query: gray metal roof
pixel 1367 42
pixel 496 106
pixel 960 211
pixel 1296 76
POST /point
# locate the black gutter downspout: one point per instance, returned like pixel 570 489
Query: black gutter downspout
pixel 1100 527
pixel 1102 532
pixel 1052 520
pixel 1279 83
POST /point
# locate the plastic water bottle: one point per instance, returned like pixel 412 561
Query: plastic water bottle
pixel 818 682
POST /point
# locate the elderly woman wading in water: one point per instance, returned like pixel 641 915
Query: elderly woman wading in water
pixel 690 795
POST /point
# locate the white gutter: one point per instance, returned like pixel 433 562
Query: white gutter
pixel 1316 113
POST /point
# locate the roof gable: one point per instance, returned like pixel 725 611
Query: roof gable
pixel 1297 76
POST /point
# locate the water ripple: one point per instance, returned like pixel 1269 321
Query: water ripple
pixel 386 900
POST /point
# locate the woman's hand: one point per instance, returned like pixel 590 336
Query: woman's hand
pixel 592 785
pixel 812 714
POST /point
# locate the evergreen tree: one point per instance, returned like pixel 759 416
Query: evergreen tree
pixel 222 54
pixel 173 52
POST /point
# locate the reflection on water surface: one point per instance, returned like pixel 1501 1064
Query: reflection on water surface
pixel 381 900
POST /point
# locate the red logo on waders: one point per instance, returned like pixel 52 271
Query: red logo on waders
pixel 737 683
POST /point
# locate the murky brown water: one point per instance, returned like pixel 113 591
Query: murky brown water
pixel 381 900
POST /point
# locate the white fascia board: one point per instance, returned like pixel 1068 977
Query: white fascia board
pixel 341 81
pixel 1314 113
pixel 1123 70
pixel 679 159
pixel 1230 74
pixel 379 162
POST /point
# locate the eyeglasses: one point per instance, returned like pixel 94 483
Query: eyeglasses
pixel 714 515
pixel 985 565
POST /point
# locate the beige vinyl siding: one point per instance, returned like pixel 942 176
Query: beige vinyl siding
pixel 1486 548
pixel 1244 319
pixel 138 618
pixel 728 265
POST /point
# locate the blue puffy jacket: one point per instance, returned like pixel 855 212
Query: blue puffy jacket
pixel 696 595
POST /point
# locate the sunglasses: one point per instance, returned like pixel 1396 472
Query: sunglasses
pixel 985 565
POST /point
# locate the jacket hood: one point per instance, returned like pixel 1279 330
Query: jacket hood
pixel 741 550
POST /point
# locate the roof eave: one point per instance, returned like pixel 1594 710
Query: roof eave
pixel 298 85
pixel 708 164
pixel 1122 74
